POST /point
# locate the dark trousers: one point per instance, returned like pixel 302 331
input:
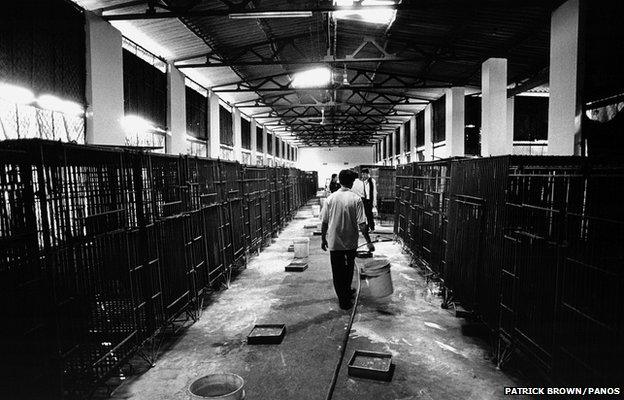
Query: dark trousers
pixel 368 210
pixel 342 262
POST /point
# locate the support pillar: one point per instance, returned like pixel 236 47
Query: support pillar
pixel 428 153
pixel 176 111
pixel 265 146
pixel 387 145
pixel 236 133
pixel 412 134
pixel 274 147
pixel 495 139
pixel 455 105
pixel 254 142
pixel 402 143
pixel 565 77
pixel 214 128
pixel 104 85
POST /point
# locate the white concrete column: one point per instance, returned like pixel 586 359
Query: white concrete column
pixel 214 134
pixel 274 146
pixel 236 133
pixel 428 153
pixel 565 80
pixel 495 139
pixel 511 104
pixel 265 146
pixel 454 121
pixel 402 148
pixel 104 86
pixel 176 111
pixel 254 141
pixel 412 134
pixel 387 145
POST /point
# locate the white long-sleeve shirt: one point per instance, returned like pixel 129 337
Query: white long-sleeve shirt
pixel 362 189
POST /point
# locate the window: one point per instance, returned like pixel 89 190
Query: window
pixel 145 90
pixel 259 139
pixel 472 131
pixel 196 147
pixel 43 50
pixel 439 120
pixel 530 118
pixel 227 153
pixel 196 114
pixel 278 147
pixel 408 135
pixel 225 125
pixel 420 129
pixel 397 141
pixel 269 143
pixel 245 134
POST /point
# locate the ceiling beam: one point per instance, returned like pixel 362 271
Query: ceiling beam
pixel 323 7
pixel 325 60
pixel 334 87
pixel 334 104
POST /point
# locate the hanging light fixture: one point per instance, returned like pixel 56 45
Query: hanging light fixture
pixel 321 76
pixel 271 14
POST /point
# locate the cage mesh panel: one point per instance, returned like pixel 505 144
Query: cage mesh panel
pixel 102 249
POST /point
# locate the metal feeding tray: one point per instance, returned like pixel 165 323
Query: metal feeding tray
pixel 297 266
pixel 267 334
pixel 371 365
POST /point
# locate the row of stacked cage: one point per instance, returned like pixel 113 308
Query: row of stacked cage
pixel 533 245
pixel 103 250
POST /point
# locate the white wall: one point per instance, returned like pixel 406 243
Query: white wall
pixel 331 160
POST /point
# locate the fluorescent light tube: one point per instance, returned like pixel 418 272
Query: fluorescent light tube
pixel 273 14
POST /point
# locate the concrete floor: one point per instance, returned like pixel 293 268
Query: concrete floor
pixel 433 360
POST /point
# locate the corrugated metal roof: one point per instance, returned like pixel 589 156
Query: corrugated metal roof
pixel 446 44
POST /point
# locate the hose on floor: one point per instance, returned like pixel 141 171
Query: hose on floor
pixel 345 340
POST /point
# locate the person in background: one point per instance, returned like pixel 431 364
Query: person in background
pixel 370 197
pixel 334 184
pixel 341 217
pixel 358 187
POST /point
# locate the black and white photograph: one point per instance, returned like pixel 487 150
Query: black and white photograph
pixel 311 199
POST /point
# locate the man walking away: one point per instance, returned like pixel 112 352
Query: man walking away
pixel 341 217
pixel 369 197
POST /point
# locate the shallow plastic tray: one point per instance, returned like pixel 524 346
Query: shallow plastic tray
pixel 297 266
pixel 274 334
pixel 377 366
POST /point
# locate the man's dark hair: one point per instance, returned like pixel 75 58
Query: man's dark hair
pixel 347 177
pixel 334 175
pixel 365 171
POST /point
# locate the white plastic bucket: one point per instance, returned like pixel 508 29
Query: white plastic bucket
pixel 218 386
pixel 302 247
pixel 316 210
pixel 376 272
